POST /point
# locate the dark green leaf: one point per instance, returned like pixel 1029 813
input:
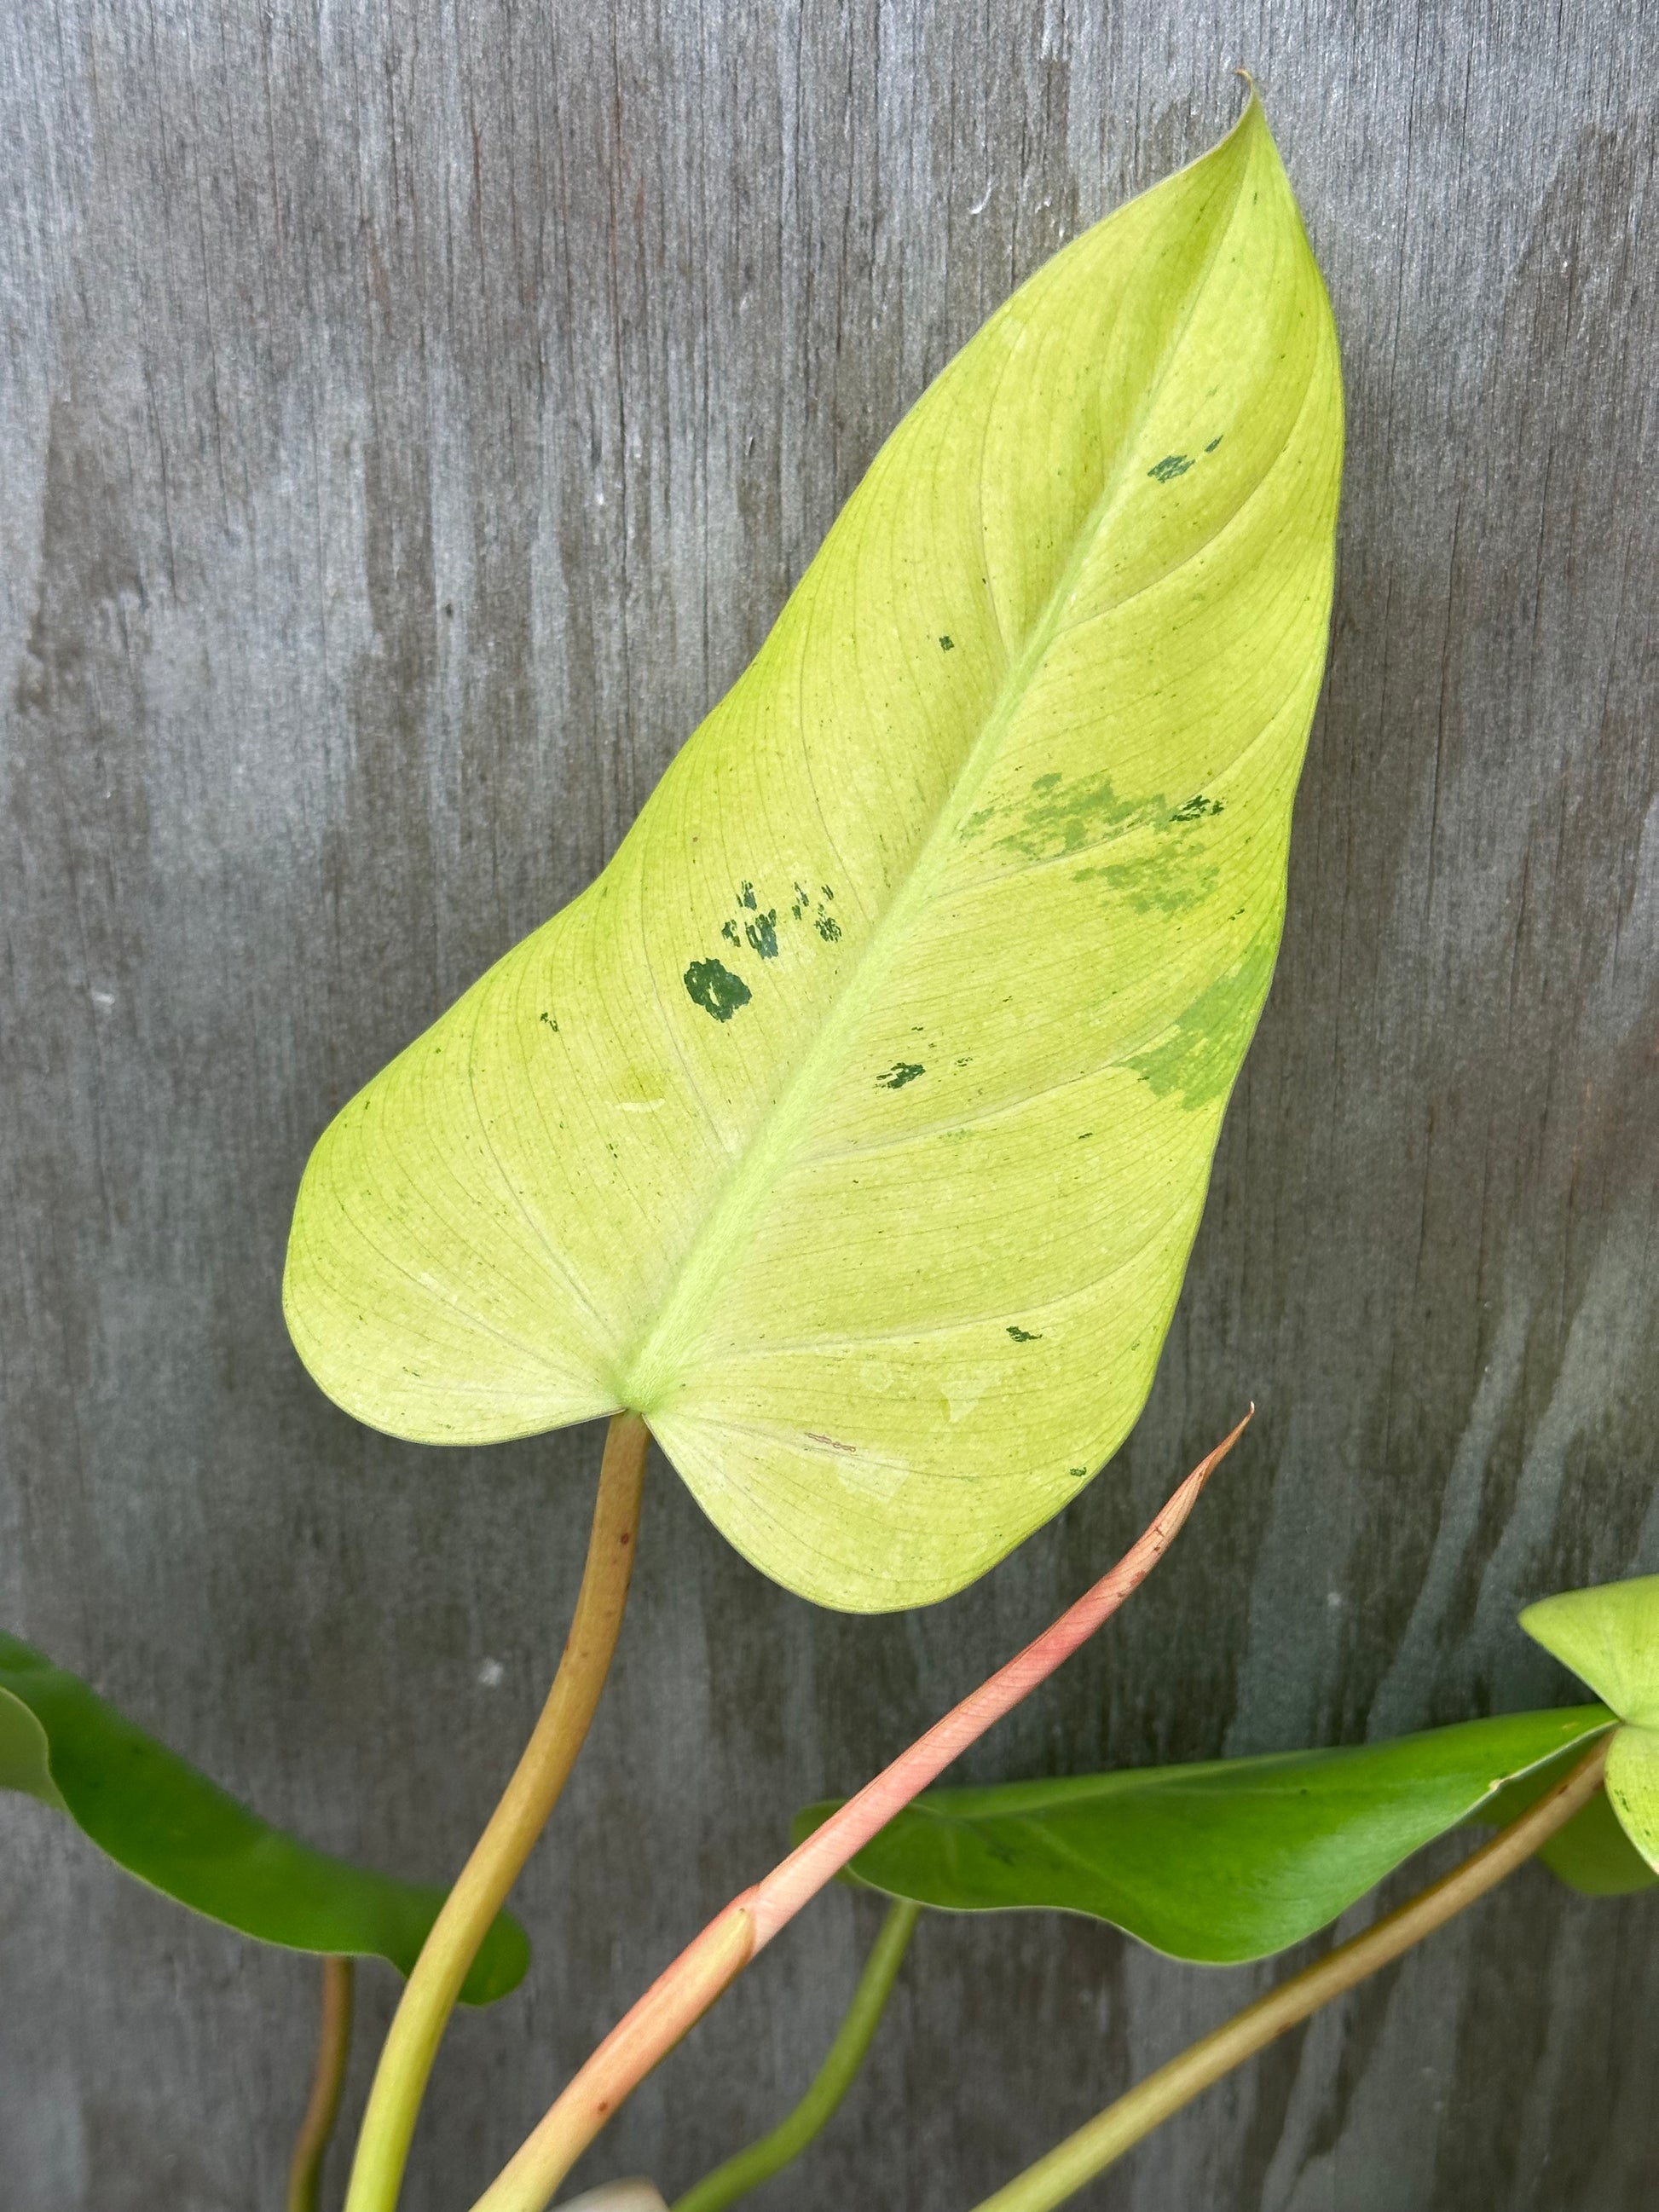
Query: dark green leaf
pixel 1221 1861
pixel 156 1816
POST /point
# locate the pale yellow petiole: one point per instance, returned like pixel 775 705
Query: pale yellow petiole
pixel 500 1853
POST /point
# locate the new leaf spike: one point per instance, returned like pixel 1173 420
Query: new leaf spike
pixel 712 1960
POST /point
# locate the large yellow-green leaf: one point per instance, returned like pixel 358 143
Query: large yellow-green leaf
pixel 854 1125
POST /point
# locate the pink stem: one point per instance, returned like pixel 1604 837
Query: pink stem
pixel 680 1995
pixel 775 1900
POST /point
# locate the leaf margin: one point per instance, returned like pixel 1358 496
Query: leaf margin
pixel 1558 1732
pixel 74 1724
pixel 863 1577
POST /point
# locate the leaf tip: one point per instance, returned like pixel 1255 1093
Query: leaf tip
pixel 1206 1467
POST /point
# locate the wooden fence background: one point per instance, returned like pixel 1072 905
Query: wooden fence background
pixel 412 415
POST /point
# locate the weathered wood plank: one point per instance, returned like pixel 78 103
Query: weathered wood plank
pixel 411 417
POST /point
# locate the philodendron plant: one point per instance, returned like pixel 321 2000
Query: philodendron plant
pixel 849 1135
pixel 1234 1860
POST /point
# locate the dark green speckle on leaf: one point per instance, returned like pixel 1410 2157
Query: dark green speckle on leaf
pixel 948 644
pixel 712 986
pixel 746 897
pixel 551 1023
pixel 1026 1335
pixel 1172 465
pixel 902 1072
pixel 762 934
pixel 729 931
pixel 1078 1472
pixel 827 929
pixel 1196 808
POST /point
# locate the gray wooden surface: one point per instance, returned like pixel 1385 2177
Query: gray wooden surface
pixel 412 414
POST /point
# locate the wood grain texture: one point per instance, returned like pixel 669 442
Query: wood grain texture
pixel 411 417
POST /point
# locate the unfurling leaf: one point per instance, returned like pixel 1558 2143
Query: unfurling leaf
pixel 855 1126
pixel 1632 1787
pixel 1609 1636
pixel 1220 1862
pixel 161 1819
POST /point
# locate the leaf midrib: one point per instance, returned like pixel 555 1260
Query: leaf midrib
pixel 725 1221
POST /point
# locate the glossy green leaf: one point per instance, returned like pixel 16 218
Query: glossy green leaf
pixel 1609 1636
pixel 1220 1862
pixel 1592 1854
pixel 853 1127
pixel 160 1819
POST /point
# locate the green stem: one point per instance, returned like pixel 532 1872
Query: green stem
pixel 333 2049
pixel 761 2160
pixel 429 1997
pixel 1105 2138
